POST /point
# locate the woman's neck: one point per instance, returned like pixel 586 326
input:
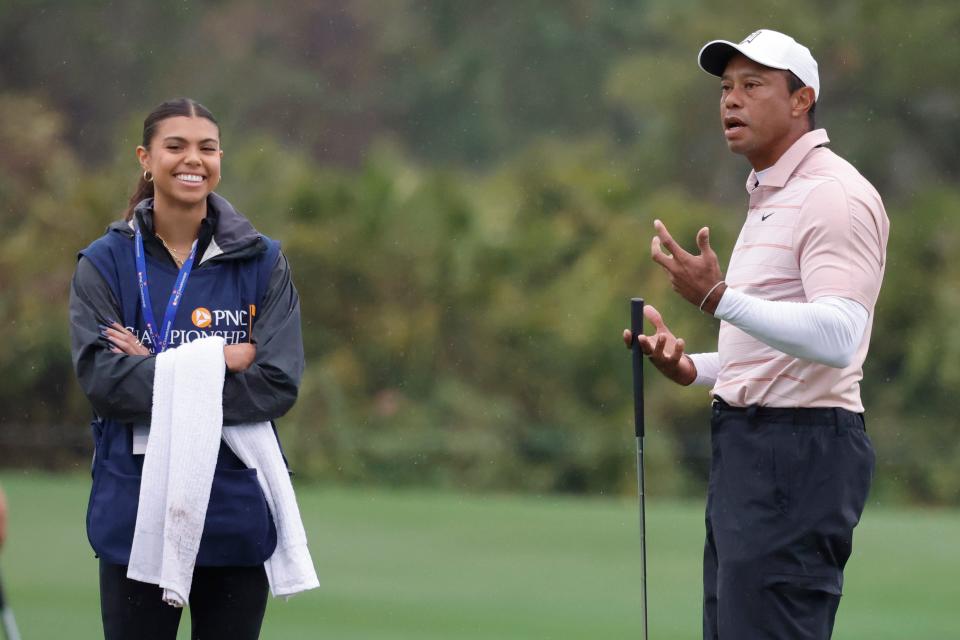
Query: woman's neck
pixel 178 225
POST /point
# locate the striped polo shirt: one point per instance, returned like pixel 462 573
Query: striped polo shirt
pixel 815 228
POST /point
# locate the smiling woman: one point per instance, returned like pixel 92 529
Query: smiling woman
pixel 175 129
pixel 182 245
pixel 183 163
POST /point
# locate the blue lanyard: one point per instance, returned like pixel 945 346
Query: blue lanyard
pixel 158 341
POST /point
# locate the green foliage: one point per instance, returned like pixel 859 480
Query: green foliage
pixel 466 194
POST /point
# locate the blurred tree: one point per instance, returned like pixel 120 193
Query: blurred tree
pixel 466 193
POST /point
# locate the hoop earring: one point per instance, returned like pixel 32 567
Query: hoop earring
pixel 147 176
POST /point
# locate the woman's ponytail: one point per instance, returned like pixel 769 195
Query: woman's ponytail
pixel 144 190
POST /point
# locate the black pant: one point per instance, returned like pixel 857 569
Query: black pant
pixel 225 602
pixel 787 487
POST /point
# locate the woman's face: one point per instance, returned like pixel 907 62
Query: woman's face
pixel 184 158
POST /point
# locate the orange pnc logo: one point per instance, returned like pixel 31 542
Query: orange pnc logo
pixel 201 317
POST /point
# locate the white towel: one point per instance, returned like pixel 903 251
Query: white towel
pixel 181 453
pixel 290 568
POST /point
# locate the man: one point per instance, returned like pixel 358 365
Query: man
pixel 792 463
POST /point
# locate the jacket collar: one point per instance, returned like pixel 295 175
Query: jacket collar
pixel 781 171
pixel 232 233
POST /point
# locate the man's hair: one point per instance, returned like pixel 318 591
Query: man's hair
pixel 794 83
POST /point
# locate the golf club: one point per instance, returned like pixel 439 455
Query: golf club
pixel 6 618
pixel 636 329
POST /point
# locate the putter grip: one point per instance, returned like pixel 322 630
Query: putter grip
pixel 636 329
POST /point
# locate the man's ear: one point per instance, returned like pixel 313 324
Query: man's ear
pixel 802 100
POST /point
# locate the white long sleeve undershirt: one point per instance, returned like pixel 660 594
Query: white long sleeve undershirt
pixel 708 367
pixel 827 330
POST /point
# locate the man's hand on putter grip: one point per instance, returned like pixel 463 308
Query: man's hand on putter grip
pixel 693 277
pixel 664 349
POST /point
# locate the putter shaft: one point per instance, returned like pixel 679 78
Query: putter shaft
pixel 636 329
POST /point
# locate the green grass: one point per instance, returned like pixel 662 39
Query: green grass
pixel 439 565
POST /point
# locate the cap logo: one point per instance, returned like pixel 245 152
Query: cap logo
pixel 750 38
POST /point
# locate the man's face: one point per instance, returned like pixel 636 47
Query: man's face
pixel 760 118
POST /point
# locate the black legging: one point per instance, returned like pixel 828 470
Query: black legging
pixel 225 602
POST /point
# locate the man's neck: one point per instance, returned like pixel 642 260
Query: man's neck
pixel 769 157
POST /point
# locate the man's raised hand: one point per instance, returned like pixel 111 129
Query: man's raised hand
pixel 695 278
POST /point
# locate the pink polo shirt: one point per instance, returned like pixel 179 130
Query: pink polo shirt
pixel 815 228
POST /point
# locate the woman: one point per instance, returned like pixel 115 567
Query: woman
pixel 210 273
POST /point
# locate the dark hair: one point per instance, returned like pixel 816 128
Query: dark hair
pixel 169 109
pixel 794 83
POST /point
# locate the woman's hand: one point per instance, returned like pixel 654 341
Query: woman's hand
pixel 239 357
pixel 122 340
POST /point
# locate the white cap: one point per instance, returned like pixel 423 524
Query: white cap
pixel 769 48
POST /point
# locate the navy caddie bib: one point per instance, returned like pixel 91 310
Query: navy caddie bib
pixel 220 298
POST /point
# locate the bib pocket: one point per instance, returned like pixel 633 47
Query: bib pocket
pixel 239 528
